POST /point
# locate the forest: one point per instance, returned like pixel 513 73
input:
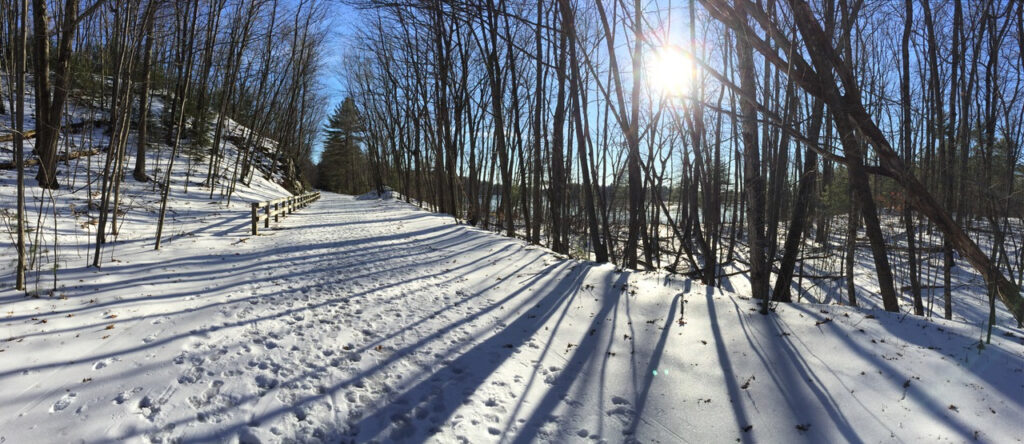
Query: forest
pixel 341 221
pixel 694 136
pixel 84 78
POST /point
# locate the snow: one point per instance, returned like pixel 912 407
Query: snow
pixel 359 319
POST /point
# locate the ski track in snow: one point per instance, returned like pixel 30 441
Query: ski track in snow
pixel 361 319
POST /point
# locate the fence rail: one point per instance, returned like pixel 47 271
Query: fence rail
pixel 277 208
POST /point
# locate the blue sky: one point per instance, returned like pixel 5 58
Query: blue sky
pixel 342 20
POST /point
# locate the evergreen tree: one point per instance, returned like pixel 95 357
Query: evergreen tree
pixel 342 166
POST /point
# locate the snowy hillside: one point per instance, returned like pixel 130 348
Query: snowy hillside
pixel 361 319
pixel 61 227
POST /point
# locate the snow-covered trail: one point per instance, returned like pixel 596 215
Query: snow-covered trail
pixel 364 319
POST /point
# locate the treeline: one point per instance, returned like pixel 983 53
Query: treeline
pixel 795 122
pixel 195 63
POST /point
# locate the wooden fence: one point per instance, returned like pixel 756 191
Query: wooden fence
pixel 278 208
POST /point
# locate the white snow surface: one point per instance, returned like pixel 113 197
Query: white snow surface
pixel 360 319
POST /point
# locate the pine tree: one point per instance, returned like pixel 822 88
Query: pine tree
pixel 343 164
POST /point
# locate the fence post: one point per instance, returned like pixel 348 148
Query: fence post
pixel 255 218
pixel 279 208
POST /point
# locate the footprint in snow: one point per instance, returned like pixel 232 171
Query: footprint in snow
pixel 265 382
pixel 126 395
pixel 101 364
pixel 148 407
pixel 191 375
pixel 63 402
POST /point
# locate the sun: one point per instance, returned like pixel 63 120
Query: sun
pixel 671 71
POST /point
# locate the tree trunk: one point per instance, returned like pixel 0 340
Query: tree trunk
pixel 849 106
pixel 753 181
pixel 147 56
pixel 600 250
pixel 906 131
pixel 20 45
pixel 797 224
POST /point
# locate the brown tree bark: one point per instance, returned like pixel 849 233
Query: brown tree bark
pixel 20 45
pixel 139 172
pixel 797 224
pixel 753 181
pixel 51 97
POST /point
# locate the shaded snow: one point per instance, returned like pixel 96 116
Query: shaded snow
pixel 360 319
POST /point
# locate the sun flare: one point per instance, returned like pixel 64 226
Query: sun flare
pixel 671 71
